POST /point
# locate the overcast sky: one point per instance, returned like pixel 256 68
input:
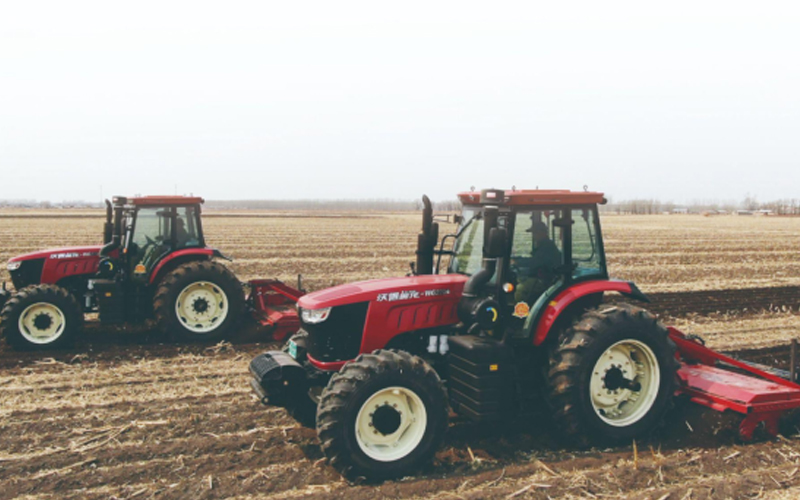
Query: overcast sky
pixel 277 100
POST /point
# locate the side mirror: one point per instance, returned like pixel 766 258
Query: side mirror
pixel 458 219
pixel 496 246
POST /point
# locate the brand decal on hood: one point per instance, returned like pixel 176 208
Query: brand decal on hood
pixel 71 255
pixel 411 294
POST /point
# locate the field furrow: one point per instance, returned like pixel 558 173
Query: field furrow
pixel 125 414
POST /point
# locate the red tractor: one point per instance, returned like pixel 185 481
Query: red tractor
pixel 154 264
pixel 516 322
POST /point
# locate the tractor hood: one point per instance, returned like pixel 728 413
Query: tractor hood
pixel 396 290
pixel 59 253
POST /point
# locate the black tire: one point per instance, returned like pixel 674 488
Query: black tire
pixel 300 405
pixel 60 312
pixel 572 368
pixel 4 296
pixel 218 281
pixel 351 389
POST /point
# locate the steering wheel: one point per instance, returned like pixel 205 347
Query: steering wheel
pixel 136 249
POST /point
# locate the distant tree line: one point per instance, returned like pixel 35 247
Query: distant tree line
pixel 643 206
pixel 377 205
pixel 49 204
pixel 640 206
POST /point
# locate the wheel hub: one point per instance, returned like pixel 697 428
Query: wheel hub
pixel 391 424
pixel 42 321
pixel 624 382
pixel 386 419
pixel 201 307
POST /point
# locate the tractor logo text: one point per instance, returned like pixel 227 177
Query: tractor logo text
pixel 411 294
pixel 71 255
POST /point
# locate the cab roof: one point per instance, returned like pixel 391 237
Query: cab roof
pixel 537 197
pixel 158 201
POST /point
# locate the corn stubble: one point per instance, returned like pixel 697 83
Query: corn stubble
pixel 146 420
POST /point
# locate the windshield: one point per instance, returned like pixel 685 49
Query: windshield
pixel 469 245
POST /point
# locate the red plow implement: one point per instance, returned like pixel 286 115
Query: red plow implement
pixel 274 306
pixel 722 383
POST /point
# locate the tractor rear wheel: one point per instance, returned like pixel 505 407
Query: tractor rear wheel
pixel 382 416
pixel 199 300
pixel 40 317
pixel 612 376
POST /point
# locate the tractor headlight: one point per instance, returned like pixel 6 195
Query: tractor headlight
pixel 13 266
pixel 315 316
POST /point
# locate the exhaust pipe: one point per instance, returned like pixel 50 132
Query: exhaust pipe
pixel 426 240
pixel 116 238
pixel 108 227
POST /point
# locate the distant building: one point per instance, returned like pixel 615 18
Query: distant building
pixel 680 210
pixel 744 212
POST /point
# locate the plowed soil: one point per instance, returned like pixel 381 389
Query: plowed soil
pixel 126 415
pixel 661 253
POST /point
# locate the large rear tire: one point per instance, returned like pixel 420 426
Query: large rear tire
pixel 198 301
pixel 41 317
pixel 612 375
pixel 382 416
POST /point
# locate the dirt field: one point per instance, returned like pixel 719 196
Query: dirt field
pixel 124 416
pixel 674 253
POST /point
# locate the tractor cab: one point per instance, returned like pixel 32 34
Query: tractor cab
pixel 146 238
pixel 539 243
pixel 142 231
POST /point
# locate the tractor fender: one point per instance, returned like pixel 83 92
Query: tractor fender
pixel 563 300
pixel 179 257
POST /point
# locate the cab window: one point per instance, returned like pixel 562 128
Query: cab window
pixel 586 258
pixel 186 231
pixel 468 247
pixel 537 253
pixel 152 224
pixel 152 238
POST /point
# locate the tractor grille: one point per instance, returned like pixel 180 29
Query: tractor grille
pixel 29 273
pixel 338 338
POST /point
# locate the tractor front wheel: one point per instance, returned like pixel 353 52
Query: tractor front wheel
pixel 198 301
pixel 612 376
pixel 382 416
pixel 40 317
